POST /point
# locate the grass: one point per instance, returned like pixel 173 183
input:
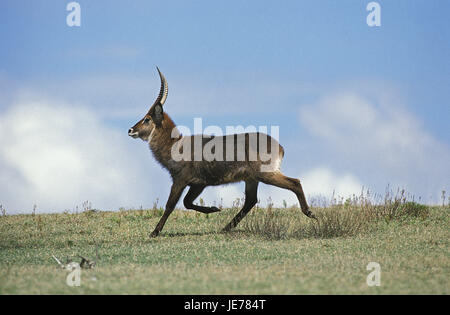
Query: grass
pixel 273 251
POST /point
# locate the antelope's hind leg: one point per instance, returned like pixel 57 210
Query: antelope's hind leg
pixel 293 184
pixel 251 198
pixel 193 193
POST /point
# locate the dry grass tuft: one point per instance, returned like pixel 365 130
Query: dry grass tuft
pixel 340 219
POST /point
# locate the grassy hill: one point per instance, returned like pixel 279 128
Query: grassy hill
pixel 273 251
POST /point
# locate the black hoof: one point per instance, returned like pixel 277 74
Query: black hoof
pixel 309 214
pixel 226 229
pixel 214 209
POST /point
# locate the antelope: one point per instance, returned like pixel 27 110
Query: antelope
pixel 164 138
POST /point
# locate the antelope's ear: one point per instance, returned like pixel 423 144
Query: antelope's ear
pixel 157 114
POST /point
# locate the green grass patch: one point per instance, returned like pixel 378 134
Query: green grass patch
pixel 273 251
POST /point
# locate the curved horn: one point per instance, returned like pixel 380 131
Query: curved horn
pixel 163 91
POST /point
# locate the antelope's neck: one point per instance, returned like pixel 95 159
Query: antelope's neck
pixel 162 139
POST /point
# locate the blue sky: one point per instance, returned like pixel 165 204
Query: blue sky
pixel 356 105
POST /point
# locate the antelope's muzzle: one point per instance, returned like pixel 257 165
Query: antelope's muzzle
pixel 133 133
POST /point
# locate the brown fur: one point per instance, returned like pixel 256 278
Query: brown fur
pixel 200 174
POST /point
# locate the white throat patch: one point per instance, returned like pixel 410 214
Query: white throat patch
pixel 151 135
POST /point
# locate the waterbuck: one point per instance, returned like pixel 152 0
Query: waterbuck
pixel 199 161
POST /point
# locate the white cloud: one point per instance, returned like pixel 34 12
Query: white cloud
pixel 57 156
pixel 322 181
pixel 318 182
pixel 380 141
pixel 224 195
pixel 228 194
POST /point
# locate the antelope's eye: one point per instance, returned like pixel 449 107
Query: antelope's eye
pixel 146 120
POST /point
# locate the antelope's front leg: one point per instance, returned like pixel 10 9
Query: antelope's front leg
pixel 175 194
